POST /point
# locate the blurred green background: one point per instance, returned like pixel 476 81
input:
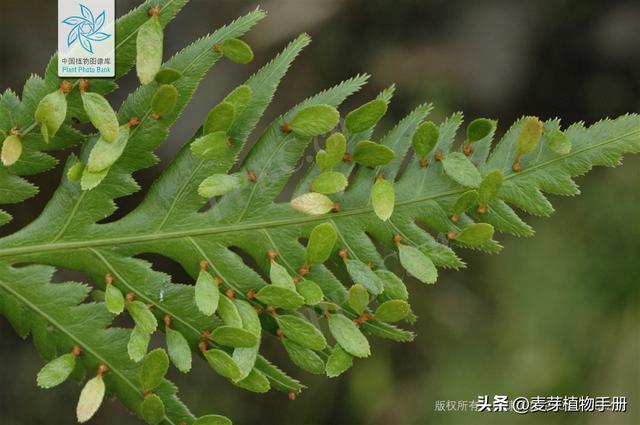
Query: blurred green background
pixel 557 314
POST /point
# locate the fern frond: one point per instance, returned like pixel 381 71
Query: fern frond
pixel 251 243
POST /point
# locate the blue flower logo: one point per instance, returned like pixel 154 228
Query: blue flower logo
pixel 86 29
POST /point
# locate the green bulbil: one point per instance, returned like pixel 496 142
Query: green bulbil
pixel 138 344
pixel 220 118
pixel 212 420
pixel 228 312
pixel 231 336
pixel 322 239
pixel 219 184
pixel 475 234
pixel 255 382
pixel 392 311
pixel 74 173
pixel 315 120
pixel 425 139
pixel 90 180
pixel 150 40
pixel 179 350
pixel 366 116
pixel 223 364
pixel 383 199
pixel 280 277
pixel 310 291
pixel 490 187
pixel 237 51
pixel 313 204
pixel 165 99
pixel 141 315
pixel 304 358
pixel 154 367
pixel 529 136
pixel 418 264
pixel 211 146
pixel 333 153
pixel 280 297
pixel 362 274
pixel 349 336
pixel 559 142
pixel 206 293
pixel 329 182
pixel 168 76
pixel 11 150
pixel 56 371
pixel 152 409
pixel 51 113
pixel 339 362
pixel 479 128
pixel 301 331
pixel 394 287
pixel 90 399
pixel 240 98
pixel 358 298
pixel 101 115
pixel 113 299
pixel 465 202
pixel 371 154
pixel 104 154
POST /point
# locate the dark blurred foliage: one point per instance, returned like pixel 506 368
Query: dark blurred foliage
pixel 557 314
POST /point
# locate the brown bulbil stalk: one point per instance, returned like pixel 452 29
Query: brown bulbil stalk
pixel 130 296
pixel 154 11
pixel 76 350
pixel 108 279
pixel 336 208
pixel 271 255
pixel 467 149
pixel 66 86
pixel 304 270
pixel 251 294
pixel 83 85
pixel 452 235
pixel 347 157
pixel 15 132
pixel 272 310
pixel 516 165
pixel 217 48
pixel 438 155
pixel 286 128
pixel 202 346
pixel 231 293
pixel 102 369
pixel 455 217
pixel 203 265
pixel 424 162
pixel 217 281
pixel 279 333
pixel 167 321
pixel 252 176
pixel 155 116
pixel 133 122
pixel 344 254
pixel 482 209
pixel 292 396
pixel 397 239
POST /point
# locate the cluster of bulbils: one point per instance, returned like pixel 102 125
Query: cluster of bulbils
pixel 50 115
pixel 241 326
